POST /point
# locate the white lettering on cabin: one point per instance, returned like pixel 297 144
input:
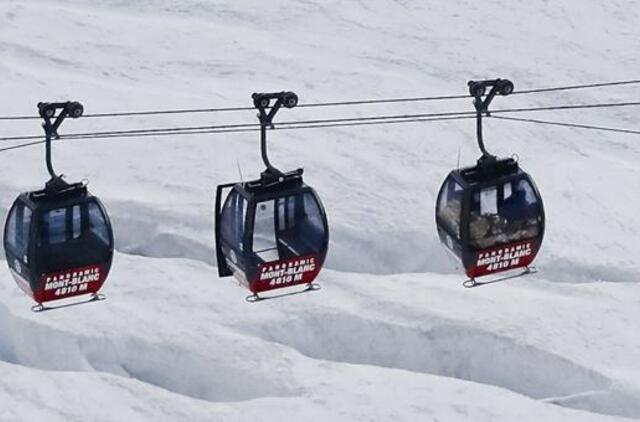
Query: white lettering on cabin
pixel 504 258
pixel 287 272
pixel 72 281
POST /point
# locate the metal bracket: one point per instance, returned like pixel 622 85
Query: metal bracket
pixel 478 89
pixel 266 114
pixel 48 111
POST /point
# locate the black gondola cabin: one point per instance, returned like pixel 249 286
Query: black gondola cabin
pixel 271 235
pixel 491 218
pixel 58 241
pixel 58 244
pixel 490 215
pixel 272 232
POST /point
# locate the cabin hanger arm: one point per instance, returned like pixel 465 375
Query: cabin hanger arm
pixel 48 111
pixel 478 89
pixel 266 114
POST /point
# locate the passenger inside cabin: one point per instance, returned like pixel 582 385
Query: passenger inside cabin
pixel 498 219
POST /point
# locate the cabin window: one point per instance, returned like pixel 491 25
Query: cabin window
pixel 504 213
pixel 18 230
pixel 264 231
pixel 98 223
pixel 55 223
pixel 75 221
pixel 450 206
pixel 233 218
pixel 287 227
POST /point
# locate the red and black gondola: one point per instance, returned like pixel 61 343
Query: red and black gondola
pixel 272 232
pixel 58 240
pixel 491 215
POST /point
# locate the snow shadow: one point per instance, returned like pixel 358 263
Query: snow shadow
pixel 209 373
pixel 455 351
pixel 567 271
pixel 145 231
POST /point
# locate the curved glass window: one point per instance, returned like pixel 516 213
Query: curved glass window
pixel 232 218
pixel 97 223
pixel 82 223
pixel 450 206
pixel 289 226
pixel 312 228
pixel 56 231
pixel 504 213
pixel 18 226
pixel 264 232
pixel 76 225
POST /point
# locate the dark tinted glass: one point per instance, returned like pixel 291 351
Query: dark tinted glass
pixel 232 220
pixel 504 213
pixel 97 224
pixel 18 226
pixel 289 226
pixel 450 206
pixel 65 224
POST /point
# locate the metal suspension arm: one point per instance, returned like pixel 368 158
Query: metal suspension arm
pixel 477 89
pixel 263 102
pixel 48 111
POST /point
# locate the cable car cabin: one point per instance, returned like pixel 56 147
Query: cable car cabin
pixel 491 217
pixel 58 244
pixel 270 235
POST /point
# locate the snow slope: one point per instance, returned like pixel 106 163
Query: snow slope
pixel 392 335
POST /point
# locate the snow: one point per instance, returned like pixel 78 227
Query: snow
pixel 392 335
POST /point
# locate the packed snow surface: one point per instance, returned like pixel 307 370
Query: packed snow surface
pixel 392 335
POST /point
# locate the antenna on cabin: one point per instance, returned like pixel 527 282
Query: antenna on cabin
pixel 240 171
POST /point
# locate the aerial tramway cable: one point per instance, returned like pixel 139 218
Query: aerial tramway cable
pixel 326 123
pixel 338 103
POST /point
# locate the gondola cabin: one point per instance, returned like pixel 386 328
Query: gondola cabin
pixel 270 233
pixel 58 243
pixel 491 217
